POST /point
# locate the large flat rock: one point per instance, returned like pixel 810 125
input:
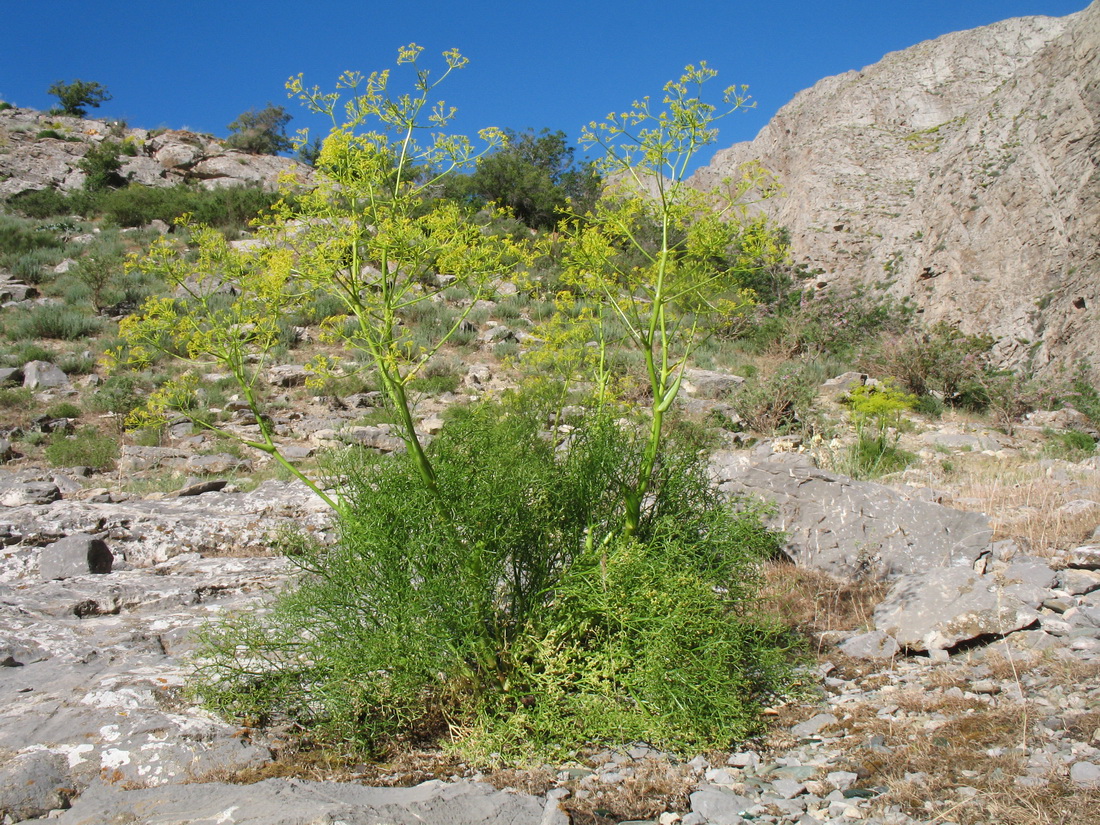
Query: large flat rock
pixel 294 802
pixel 853 528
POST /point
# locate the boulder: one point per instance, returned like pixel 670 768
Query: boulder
pixel 939 609
pixel 11 375
pixel 176 154
pixel 852 528
pixel 75 555
pixel 842 384
pixel 216 464
pixel 42 375
pixel 288 375
pixel 32 784
pixel 134 458
pixel 871 645
pixel 711 384
pixel 29 493
pixel 291 802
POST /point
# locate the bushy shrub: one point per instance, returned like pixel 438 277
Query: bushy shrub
pixel 23 352
pixel 77 96
pixel 101 166
pixel 231 207
pixel 509 610
pixel 776 403
pixel 55 321
pixel 48 203
pixel 262 132
pixel 121 393
pixel 63 409
pixel 85 448
pixel 825 323
pixel 940 360
pixel 1072 445
pixel 877 412
pixel 16 398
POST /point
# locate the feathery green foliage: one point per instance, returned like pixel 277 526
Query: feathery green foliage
pixel 517 618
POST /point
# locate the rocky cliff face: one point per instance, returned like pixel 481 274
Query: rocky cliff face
pixel 964 173
pixel 39 151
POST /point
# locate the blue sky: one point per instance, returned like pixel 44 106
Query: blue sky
pixel 198 64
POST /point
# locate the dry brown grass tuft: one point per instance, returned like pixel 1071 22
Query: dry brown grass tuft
pixel 815 602
pixel 656 787
pixel 1024 503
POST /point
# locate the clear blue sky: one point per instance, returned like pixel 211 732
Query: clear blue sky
pixel 199 63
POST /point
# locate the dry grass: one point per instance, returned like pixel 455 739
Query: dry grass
pixel 656 787
pixel 815 602
pixel 1024 501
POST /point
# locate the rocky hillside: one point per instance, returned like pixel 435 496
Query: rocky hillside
pixel 40 151
pixel 962 173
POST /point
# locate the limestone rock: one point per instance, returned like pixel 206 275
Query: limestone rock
pixel 173 156
pixel 853 528
pixel 29 493
pixel 32 784
pixel 711 384
pixel 75 555
pixel 291 802
pixel 42 375
pixel 965 169
pixel 941 608
pixel 871 645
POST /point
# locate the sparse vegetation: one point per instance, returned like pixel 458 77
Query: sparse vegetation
pixel 86 448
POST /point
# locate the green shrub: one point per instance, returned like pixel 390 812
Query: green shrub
pixel 19 236
pixel 121 393
pixel 136 205
pixel 54 321
pixel 827 322
pixel 437 377
pixel 29 267
pixel 24 352
pixel 86 448
pixel 16 398
pixel 63 409
pixel 48 203
pixel 1071 445
pixel 231 207
pixel 101 166
pixel 776 403
pixel 877 411
pixel 52 134
pixel 507 609
pixel 4 106
pixel 262 132
pixel 1084 398
pixel 940 360
pixel 77 96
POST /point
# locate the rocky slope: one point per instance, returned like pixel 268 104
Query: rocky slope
pixel 962 173
pixel 39 151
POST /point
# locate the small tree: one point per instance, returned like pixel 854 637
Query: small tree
pixel 534 176
pixel 78 96
pixel 262 132
pixel 101 166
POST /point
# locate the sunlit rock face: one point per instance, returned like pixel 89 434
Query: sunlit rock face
pixel 964 173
